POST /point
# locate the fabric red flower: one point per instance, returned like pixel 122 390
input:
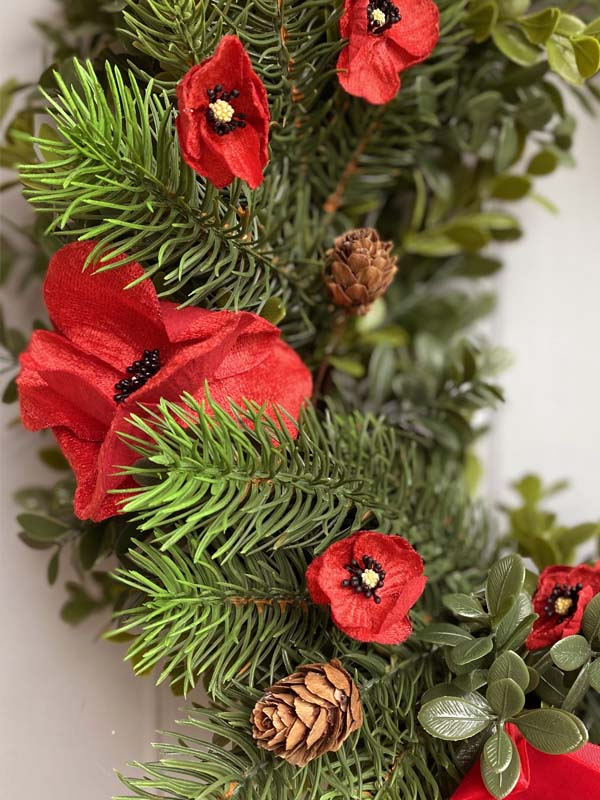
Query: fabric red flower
pixel 572 775
pixel 384 38
pixel 560 599
pixel 223 121
pixel 370 581
pixel 75 379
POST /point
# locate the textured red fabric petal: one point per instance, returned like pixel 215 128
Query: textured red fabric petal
pixel 59 385
pixel 360 617
pixel 243 152
pixel 547 632
pixel 96 312
pixel 419 30
pixel 371 74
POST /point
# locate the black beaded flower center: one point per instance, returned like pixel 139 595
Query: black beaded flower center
pixel 141 371
pixel 366 579
pixel 563 600
pixel 381 15
pixel 221 115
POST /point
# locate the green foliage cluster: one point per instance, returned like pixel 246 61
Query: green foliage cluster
pixel 495 679
pixel 537 532
pixel 230 508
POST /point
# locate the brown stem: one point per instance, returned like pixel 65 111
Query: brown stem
pixel 335 199
pixel 336 334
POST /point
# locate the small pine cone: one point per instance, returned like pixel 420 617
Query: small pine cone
pixel 359 269
pixel 311 712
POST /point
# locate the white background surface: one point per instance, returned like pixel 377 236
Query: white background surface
pixel 68 704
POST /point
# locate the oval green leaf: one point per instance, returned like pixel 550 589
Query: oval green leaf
pixel 570 653
pixel 506 697
pixel 453 719
pixel 551 730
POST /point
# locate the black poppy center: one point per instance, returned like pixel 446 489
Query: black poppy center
pixel 381 16
pixel 141 371
pixel 562 602
pixel 365 578
pixel 221 114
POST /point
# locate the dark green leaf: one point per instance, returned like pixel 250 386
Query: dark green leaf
pixel 90 545
pixel 570 653
pixel 590 625
pixel 594 675
pixel 501 784
pixel 505 581
pixel 578 690
pixel 497 751
pixel 444 633
pixel 551 730
pixel 10 394
pixel 453 719
pixel 543 163
pixel 53 458
pixel 510 187
pixel 587 55
pixel 506 697
pixel 509 665
pixel 463 605
pixel 472 680
pixel 41 528
pixel 473 650
pixel 53 566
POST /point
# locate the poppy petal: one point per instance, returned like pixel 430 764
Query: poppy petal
pixel 95 310
pixel 418 31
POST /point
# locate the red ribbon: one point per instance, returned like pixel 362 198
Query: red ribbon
pixel 573 776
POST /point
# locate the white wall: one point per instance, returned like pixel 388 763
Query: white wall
pixel 68 703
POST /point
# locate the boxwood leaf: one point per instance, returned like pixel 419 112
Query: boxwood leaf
pixel 497 751
pixel 40 527
pixel 515 46
pixel 444 633
pixel 473 650
pixel 453 719
pixel 505 581
pixel 463 605
pixel 570 653
pixel 590 625
pixel 538 28
pixel 506 697
pixel 594 675
pixel 551 730
pixel 510 665
pixel 578 690
pixel 501 784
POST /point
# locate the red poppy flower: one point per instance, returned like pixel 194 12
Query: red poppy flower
pixel 370 581
pixel 223 121
pixel 384 38
pixel 113 348
pixel 560 599
pixel 543 776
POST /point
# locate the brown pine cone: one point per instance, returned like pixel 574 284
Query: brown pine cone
pixel 311 712
pixel 359 269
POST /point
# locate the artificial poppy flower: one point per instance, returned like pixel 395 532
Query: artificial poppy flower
pixel 543 776
pixel 384 38
pixel 223 121
pixel 113 348
pixel 560 599
pixel 370 581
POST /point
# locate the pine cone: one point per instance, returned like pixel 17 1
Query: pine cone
pixel 311 712
pixel 359 269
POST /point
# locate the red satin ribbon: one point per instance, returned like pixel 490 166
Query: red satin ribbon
pixel 574 776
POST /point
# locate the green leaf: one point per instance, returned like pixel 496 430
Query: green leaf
pixel 348 365
pixel 506 697
pixel 505 581
pixel 90 545
pixel 501 784
pixel 515 46
pixel 551 730
pixel 497 751
pixel 594 675
pixel 473 650
pixel 53 565
pixel 578 690
pixel 444 633
pixel 543 163
pixel 513 8
pixel 510 187
pixel 509 665
pixel 463 605
pixel 562 60
pixel 507 148
pixel 590 625
pixel 41 528
pixel 53 458
pixel 570 653
pixel 481 20
pixel 10 393
pixel 509 623
pixel 587 55
pixel 538 28
pixel 472 680
pixel 453 719
pixel 570 25
pixel 273 310
pixel 593 27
